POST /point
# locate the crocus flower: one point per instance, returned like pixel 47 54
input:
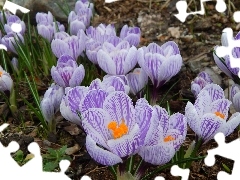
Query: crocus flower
pixel 70 103
pixel 72 45
pixel 137 80
pixel 235 96
pixel 209 113
pixel 6 82
pixel 14 19
pixel 9 41
pixel 112 131
pixel 50 103
pixel 163 136
pixel 67 73
pixel 45 30
pixel 200 82
pixel 117 57
pixel 83 3
pixel 131 34
pixel 7 14
pixel 58 27
pixel 160 63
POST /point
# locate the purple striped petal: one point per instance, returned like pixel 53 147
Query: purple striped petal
pixel 154 48
pixel 94 99
pixel 96 84
pixel 75 97
pixel 146 119
pixel 100 155
pixel 158 154
pixel 114 81
pixel 193 119
pixel 202 103
pixel 179 122
pixel 209 126
pixel 130 60
pixel 232 123
pixel 137 80
pixel 95 123
pixel 215 91
pixel 169 68
pixel 77 76
pixel 75 26
pixel 59 48
pixel 170 48
pixel 120 107
pixel 106 63
pixel 222 106
pixel 128 144
pixel 163 117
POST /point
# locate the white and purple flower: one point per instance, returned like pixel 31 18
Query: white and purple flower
pixel 209 114
pixel 67 73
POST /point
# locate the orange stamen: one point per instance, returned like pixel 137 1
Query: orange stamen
pixel 1 73
pixel 168 138
pixel 220 115
pixel 137 72
pixel 118 131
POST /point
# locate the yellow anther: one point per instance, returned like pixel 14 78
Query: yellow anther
pixel 219 115
pixel 1 73
pixel 168 138
pixel 118 131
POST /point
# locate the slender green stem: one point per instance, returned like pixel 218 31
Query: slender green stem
pixel 168 92
pixel 113 171
pixel 136 170
pixel 130 164
pixel 194 152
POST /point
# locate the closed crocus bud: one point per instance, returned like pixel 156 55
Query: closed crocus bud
pixel 137 80
pixel 50 103
pixel 72 45
pixel 200 82
pixel 15 64
pixel 6 82
pixel 160 63
pixel 14 19
pixel 131 34
pixel 67 73
pixel 44 17
pixel 45 30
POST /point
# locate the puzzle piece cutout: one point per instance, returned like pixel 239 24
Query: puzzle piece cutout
pixel 181 6
pixel 228 150
pixel 227 50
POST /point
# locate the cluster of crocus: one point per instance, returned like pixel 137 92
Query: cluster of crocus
pixel 46 26
pixel 8 40
pixel 200 82
pixel 124 130
pixel 209 114
pixel 80 18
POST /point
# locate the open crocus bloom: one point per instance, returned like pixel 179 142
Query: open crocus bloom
pixel 164 134
pixel 160 63
pixel 235 96
pixel 200 82
pixel 112 131
pixel 209 113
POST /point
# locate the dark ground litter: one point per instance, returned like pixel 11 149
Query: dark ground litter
pixel 199 34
